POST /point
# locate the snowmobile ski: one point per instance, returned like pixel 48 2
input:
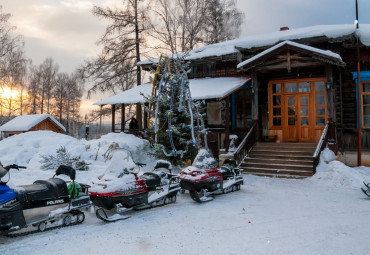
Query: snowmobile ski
pixel 365 191
pixel 102 215
pixel 367 185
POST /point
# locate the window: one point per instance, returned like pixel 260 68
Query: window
pixel 243 109
pixel 320 103
pixel 365 95
pixel 276 104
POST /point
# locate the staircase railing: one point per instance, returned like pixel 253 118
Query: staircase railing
pixel 247 143
pixel 326 137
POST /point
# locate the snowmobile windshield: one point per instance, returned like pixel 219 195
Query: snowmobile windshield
pixel 4 175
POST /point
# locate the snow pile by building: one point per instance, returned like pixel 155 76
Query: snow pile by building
pixel 334 173
pixel 26 149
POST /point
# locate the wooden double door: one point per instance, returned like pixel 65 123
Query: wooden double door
pixel 298 115
pixel 297 109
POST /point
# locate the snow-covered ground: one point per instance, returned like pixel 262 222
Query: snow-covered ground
pixel 325 214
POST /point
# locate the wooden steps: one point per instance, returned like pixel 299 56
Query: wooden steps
pixel 283 160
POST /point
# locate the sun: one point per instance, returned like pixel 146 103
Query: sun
pixel 7 93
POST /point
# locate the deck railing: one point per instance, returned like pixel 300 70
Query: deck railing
pixel 246 145
pixel 327 136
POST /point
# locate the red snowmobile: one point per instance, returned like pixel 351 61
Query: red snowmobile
pixel 117 192
pixel 204 178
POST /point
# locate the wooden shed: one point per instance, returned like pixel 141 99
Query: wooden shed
pixel 32 122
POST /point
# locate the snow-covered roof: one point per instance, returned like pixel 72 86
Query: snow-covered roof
pixel 206 88
pixel 325 53
pixel 130 96
pixel 209 88
pixel 272 38
pixel 26 122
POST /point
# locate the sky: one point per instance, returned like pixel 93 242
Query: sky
pixel 67 31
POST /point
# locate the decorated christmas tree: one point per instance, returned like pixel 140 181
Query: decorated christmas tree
pixel 176 128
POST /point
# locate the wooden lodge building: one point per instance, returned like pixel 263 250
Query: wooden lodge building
pixel 298 93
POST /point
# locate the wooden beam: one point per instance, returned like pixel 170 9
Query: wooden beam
pixel 288 64
pixel 284 66
pixel 113 117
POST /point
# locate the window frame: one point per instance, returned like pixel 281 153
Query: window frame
pixel 363 105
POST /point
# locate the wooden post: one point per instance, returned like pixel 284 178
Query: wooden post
pixel 123 117
pixel 139 116
pixel 329 92
pixel 100 118
pixel 227 119
pixel 146 118
pixel 255 96
pixel 113 116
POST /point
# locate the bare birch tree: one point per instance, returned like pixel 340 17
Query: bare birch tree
pixel 182 25
pixel 115 69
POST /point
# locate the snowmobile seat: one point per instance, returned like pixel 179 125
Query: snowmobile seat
pixel 45 189
pixel 152 180
pixel 226 172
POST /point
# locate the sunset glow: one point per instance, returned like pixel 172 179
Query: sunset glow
pixel 7 93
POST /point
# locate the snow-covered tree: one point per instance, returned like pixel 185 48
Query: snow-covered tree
pixel 177 126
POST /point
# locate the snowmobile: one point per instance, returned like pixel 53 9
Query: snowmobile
pixel 42 205
pixel 206 179
pixel 117 192
pixel 366 190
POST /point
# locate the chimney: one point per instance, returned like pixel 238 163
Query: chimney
pixel 284 28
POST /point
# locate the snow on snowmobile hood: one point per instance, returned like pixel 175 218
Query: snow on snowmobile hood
pixel 118 175
pixel 204 158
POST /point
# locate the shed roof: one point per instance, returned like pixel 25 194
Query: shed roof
pixel 206 88
pixel 26 122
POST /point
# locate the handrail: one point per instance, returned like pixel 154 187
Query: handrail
pixel 326 135
pixel 322 138
pixel 247 143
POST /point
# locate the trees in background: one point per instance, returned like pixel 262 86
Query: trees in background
pixel 169 26
pixel 114 69
pixel 182 25
pixel 31 89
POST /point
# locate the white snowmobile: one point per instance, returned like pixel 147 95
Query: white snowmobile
pixel 120 189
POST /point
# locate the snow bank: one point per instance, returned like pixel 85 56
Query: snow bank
pixel 25 149
pixel 336 174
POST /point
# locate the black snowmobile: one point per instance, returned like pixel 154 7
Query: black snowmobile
pixel 115 196
pixel 41 205
pixel 366 190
